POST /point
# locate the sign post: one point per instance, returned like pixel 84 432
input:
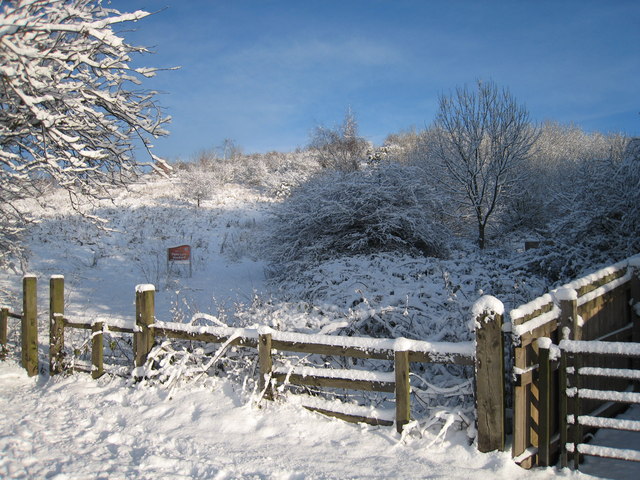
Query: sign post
pixel 179 256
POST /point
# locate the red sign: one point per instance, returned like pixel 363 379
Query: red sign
pixel 179 254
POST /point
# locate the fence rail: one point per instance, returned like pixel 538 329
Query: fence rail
pixel 573 355
pixel 485 354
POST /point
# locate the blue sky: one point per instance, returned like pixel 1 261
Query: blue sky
pixel 264 73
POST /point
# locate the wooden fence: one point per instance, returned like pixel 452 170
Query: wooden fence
pixel 576 364
pixel 486 354
pixel 597 307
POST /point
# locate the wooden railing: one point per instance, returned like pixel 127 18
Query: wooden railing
pixel 485 354
pixel 596 307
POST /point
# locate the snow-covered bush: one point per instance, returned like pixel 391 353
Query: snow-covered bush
pixel 380 209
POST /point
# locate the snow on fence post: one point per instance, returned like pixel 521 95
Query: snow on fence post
pixel 29 327
pixel 97 350
pixel 544 401
pixel 488 314
pixel 145 317
pixel 266 364
pixel 56 324
pixel 568 299
pixel 4 321
pixel 403 387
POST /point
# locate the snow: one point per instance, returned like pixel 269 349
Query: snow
pixel 530 307
pixel 74 427
pixel 544 342
pixel 77 428
pixel 564 294
pixel 604 395
pixel 610 372
pixel 359 375
pixel 145 287
pixel 615 423
pixel 600 347
pixel 539 321
pixel 598 292
pixel 486 304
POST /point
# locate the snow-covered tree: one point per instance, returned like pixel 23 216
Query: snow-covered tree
pixel 345 213
pixel 71 105
pixel 482 138
pixel 340 148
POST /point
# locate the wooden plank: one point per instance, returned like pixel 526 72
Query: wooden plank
pixel 333 382
pixel 564 459
pixel 29 327
pixel 56 324
pixel 201 337
pixel 145 317
pixel 402 389
pixel 351 418
pixel 4 323
pixel 111 328
pixel 521 419
pixel 97 351
pixel 601 282
pixel 82 326
pixel 449 358
pixel 265 361
pixel 355 352
pixel 544 408
pixel 17 316
pixel 489 373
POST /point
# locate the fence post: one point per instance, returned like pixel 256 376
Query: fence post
pixel 97 350
pixel 145 317
pixel 266 364
pixel 568 298
pixel 29 327
pixel 489 373
pixel 635 314
pixel 403 389
pixel 562 424
pixel 56 324
pixel 4 321
pixel 544 402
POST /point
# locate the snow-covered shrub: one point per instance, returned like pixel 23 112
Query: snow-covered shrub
pixel 197 185
pixel 597 220
pixel 379 209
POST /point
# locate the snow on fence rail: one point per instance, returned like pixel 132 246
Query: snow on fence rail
pixel 602 306
pixel 485 354
pixel 573 356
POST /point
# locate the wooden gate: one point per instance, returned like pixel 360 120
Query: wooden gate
pixel 611 363
pixel 597 307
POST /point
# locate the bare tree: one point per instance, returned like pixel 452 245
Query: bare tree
pixel 70 104
pixel 339 148
pixel 482 137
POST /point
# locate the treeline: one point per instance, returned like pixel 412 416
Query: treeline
pixel 472 176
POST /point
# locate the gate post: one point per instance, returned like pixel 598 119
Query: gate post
pixel 29 327
pixel 145 317
pixel 489 373
pixel 56 324
pixel 568 299
pixel 544 402
pixel 4 317
pixel 402 389
pixel 266 364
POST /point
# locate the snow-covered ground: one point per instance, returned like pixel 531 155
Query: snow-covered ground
pixel 76 428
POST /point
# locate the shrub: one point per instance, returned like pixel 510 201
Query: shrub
pixel 380 209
